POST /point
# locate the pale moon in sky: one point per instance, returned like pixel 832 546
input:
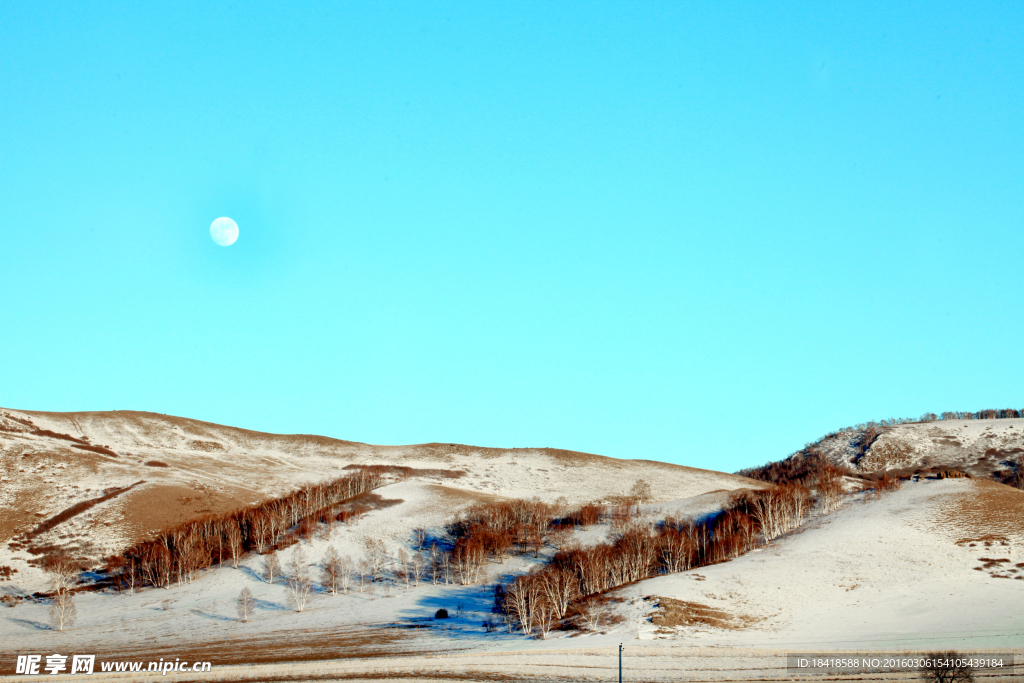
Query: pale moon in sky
pixel 224 231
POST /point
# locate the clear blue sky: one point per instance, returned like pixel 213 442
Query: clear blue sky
pixel 705 233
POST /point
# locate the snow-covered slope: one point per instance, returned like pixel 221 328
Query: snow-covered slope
pixel 938 563
pixel 979 447
pixel 930 566
pixel 81 465
pixel 935 564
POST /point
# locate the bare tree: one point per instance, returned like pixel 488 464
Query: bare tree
pixel 521 599
pixel 560 534
pixel 376 554
pixel 300 585
pixel 947 667
pixel 830 491
pixel 194 556
pixel 246 604
pixel 591 616
pixel 544 615
pixel 416 568
pixel 640 492
pixel 129 576
pixel 345 571
pixel 63 572
pixel 63 575
pixel 435 563
pixel 404 567
pixel 125 571
pixel 331 571
pixel 260 529
pixel 363 571
pixel 271 566
pixel 62 609
pixel 233 536
pixel 560 588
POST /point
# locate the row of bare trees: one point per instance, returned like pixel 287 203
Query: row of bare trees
pixel 808 468
pixel 482 533
pixel 339 573
pixel 178 554
pixel 298 580
pixel 987 414
pixel 491 531
pixel 540 600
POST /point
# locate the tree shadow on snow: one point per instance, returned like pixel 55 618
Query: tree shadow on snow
pixel 475 601
pixel 252 573
pixel 267 604
pixel 211 615
pixel 38 625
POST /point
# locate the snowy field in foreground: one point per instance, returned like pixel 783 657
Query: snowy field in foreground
pixel 885 574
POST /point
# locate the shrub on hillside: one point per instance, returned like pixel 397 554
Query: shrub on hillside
pixel 805 468
pixel 586 515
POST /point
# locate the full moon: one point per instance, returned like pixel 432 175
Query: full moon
pixel 224 231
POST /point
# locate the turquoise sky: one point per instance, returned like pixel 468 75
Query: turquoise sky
pixel 698 232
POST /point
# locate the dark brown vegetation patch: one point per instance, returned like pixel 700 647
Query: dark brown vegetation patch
pixel 402 471
pixel 78 509
pixel 987 541
pixel 12 430
pixel 155 463
pixel 102 450
pixel 990 512
pixel 683 613
pixel 924 472
pixel 58 435
pixel 25 421
pixel 363 504
pixel 995 567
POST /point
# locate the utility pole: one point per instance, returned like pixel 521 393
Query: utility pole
pixel 620 662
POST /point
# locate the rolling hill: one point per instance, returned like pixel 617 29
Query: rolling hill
pixel 95 482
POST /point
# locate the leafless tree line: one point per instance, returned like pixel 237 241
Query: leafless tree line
pixel 339 573
pixel 806 468
pixel 495 529
pixel 878 425
pixel 482 533
pixel 564 589
pixel 177 555
pixel 988 414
